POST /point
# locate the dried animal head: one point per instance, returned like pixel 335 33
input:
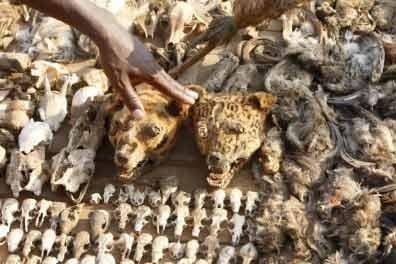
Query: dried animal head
pixel 27 171
pixel 99 221
pixel 28 212
pixel 81 244
pixel 146 141
pixel 33 134
pixel 229 128
pixel 122 214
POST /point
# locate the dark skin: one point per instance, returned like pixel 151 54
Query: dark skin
pixel 124 58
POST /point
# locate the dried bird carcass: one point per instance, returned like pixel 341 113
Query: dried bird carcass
pixel 146 141
pixel 228 129
pixel 73 167
pixel 27 171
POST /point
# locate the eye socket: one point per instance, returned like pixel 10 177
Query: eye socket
pixel 202 131
pixel 234 128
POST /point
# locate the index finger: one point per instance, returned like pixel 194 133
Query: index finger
pixel 170 86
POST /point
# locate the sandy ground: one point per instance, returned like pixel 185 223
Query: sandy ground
pixel 184 162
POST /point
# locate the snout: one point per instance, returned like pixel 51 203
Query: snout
pixel 217 163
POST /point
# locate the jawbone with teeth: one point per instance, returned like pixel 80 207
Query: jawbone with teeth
pixel 228 129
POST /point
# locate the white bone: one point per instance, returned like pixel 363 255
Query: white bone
pixel 218 197
pixel 47 242
pixel 227 253
pixel 108 192
pixel 43 207
pixel 248 253
pixel 33 134
pixel 163 214
pixel 14 239
pixel 28 208
pixel 238 222
pixel 235 197
pixel 160 243
pixel 198 215
pixel 142 214
pixel 142 241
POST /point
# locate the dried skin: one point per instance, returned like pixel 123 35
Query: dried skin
pixel 147 141
pixel 228 129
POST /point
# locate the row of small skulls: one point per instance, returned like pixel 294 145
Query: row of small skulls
pixel 28 211
pixel 129 193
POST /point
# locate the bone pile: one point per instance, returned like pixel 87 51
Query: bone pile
pixel 324 165
pixel 151 224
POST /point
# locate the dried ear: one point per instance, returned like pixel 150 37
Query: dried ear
pixel 198 89
pixel 261 100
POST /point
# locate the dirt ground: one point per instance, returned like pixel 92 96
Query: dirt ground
pixel 185 162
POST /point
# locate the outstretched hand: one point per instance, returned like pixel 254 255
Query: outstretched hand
pixel 127 62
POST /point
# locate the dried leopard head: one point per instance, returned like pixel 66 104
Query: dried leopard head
pixel 139 143
pixel 228 129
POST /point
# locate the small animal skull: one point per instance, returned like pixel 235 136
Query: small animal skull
pixel 9 210
pixel 235 198
pixel 72 261
pixel 33 260
pixel 227 253
pixel 88 259
pixel 47 242
pixel 192 248
pixel 211 245
pixel 199 214
pixel 105 259
pixel 28 212
pixel 82 98
pixel 31 239
pixel 105 243
pixel 55 211
pixel 50 260
pixel 177 250
pixel 168 186
pixel 95 199
pixel 69 218
pixel 125 243
pixel 142 214
pixel 181 199
pixel 161 218
pixel 181 212
pixel 81 244
pixel 248 253
pixel 43 207
pixel 138 197
pixel 199 198
pixel 160 243
pixel 142 241
pixel 218 197
pixel 122 214
pixel 14 239
pixel 238 222
pixel 13 259
pixel 154 198
pixel 33 134
pixel 62 243
pixel 251 202
pixel 4 230
pixel 219 215
pixel 108 192
pixel 99 221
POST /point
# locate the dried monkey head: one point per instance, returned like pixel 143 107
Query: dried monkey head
pixel 229 128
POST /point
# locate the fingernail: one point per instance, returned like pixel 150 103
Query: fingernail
pixel 138 114
pixel 192 94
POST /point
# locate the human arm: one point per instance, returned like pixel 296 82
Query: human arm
pixel 124 58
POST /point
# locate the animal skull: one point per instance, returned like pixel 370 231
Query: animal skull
pixel 81 244
pixel 43 207
pixel 177 249
pixel 192 248
pixel 251 199
pixel 109 191
pixel 181 212
pixel 13 259
pixel 125 243
pixel 105 259
pixel 99 221
pixel 142 241
pixel 31 239
pixel 14 239
pixel 181 199
pixel 95 199
pixel 105 243
pixel 50 260
pixel 168 186
pixel 8 211
pixel 122 214
pixel 198 216
pixel 218 197
pixel 154 198
pixel 138 197
pixel 63 242
pixel 33 134
pixel 238 222
pixel 227 253
pixel 199 198
pixel 162 216
pixel 28 212
pixel 211 244
pixel 248 253
pixel 235 197
pixel 160 243
pixel 47 242
pixel 55 211
pixel 142 213
pixel 219 215
pixel 69 218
